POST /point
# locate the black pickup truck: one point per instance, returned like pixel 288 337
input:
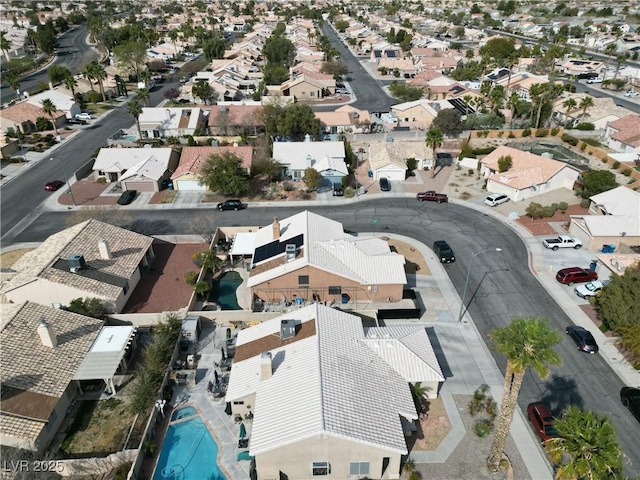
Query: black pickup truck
pixel 432 196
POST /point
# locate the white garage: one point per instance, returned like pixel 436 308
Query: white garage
pixel 188 184
pixel 389 159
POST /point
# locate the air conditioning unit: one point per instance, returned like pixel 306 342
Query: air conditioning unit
pixel 290 250
pixel 76 262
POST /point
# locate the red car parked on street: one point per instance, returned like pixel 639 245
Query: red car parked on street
pixel 53 185
pixel 572 275
pixel 542 420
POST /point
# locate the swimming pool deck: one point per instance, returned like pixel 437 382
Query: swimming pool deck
pixel 222 427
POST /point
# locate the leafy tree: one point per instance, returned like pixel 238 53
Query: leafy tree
pixel 500 49
pixel 12 80
pixel 449 121
pixel 131 57
pixel 135 110
pixel 279 50
pixel 618 304
pixel 411 164
pixel 434 140
pixel 204 92
pixel 50 109
pixel 406 93
pixel 57 73
pixel 504 163
pixel 312 178
pixel 525 342
pixel 489 121
pixel 214 48
pixel 202 288
pixel 597 181
pixel 90 307
pixel 223 173
pixel 589 441
pixel 268 167
pixel 336 68
pixel 298 120
pixel 5 44
pixel 171 94
pixel 341 25
pixel 207 260
pixel 275 74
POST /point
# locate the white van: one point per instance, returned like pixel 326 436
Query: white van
pixel 496 199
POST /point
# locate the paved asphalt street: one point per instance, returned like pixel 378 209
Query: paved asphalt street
pixel 73 53
pixel 500 286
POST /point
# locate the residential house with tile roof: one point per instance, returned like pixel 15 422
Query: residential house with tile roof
pixel 420 113
pixel 389 159
pixel 530 175
pixel 161 122
pixel 604 111
pixel 614 219
pixel 42 348
pixel 623 135
pixel 308 87
pixel 64 102
pixel 142 169
pixel 233 118
pixel 310 257
pixel 344 119
pixel 296 157
pixel 22 116
pixel 91 259
pixel 328 396
pixel 188 175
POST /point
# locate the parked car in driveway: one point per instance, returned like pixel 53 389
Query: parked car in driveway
pixel 76 121
pixel 583 338
pixel 338 190
pixel 385 186
pixel 496 199
pixel 127 197
pixel 590 289
pixel 562 241
pixel 432 196
pixel 542 420
pixel 231 205
pixel 53 185
pixel 84 116
pixel 571 275
pixel 630 398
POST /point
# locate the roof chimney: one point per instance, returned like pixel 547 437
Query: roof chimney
pixel 47 336
pixel 103 248
pixel 266 367
pixel 275 226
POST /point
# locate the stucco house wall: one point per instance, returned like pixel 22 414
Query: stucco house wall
pixel 287 285
pixel 565 178
pixel 305 91
pixel 336 451
pixel 577 228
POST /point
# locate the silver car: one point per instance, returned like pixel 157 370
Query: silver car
pixel 590 289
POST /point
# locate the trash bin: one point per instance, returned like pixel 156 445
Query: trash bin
pixel 345 298
pixel 592 265
pixel 608 248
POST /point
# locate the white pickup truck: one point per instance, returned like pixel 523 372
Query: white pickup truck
pixel 563 241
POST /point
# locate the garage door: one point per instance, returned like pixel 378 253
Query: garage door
pixel 190 185
pixel 139 186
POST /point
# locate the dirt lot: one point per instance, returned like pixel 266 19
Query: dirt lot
pixel 415 261
pixel 9 258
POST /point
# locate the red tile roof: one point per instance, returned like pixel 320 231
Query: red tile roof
pixel 237 115
pixel 192 159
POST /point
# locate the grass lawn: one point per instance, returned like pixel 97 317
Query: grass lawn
pixel 100 427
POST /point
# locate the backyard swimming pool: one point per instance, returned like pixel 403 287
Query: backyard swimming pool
pixel 189 452
pixel 560 152
pixel 183 413
pixel 224 291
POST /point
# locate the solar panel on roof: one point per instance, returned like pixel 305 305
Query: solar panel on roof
pixel 377 53
pixel 276 247
pixel 391 53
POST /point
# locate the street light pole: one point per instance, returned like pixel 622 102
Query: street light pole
pixel 66 179
pixel 466 283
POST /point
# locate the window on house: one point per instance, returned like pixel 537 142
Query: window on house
pixel 303 279
pixel 238 402
pixel 125 289
pixel 320 468
pixel 312 94
pixel 358 468
pixel 101 173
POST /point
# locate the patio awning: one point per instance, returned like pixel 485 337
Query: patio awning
pixel 106 353
pixel 243 244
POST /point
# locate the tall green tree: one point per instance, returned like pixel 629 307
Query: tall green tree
pixel 99 74
pixel 279 50
pixel 204 92
pixel 597 181
pixel 50 109
pixel 589 441
pixel 143 96
pixel 527 342
pixel 298 120
pixel 131 57
pixel 224 174
pixel 135 110
pixel 70 83
pixel 434 139
pixel 449 121
pixel 312 179
pixel 5 45
pixel 585 104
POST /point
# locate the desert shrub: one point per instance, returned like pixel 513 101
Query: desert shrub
pixel 500 133
pixel 101 180
pixel 202 288
pixel 288 187
pixel 585 202
pixel 570 139
pixel 555 131
pixel 470 171
pixel 616 165
pixel 542 132
pixel 626 172
pixel 585 126
pixel 548 211
pixel 583 147
pixel 511 135
pixel 483 151
pixel 504 163
pixel 591 141
pixel 482 428
pixel 535 210
pixel 92 97
pixel 349 192
pixel 526 132
pixel 562 206
pixel 190 277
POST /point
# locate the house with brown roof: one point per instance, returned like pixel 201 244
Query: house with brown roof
pixel 233 119
pixel 42 349
pixel 91 259
pixel 307 256
pixel 529 175
pixel 314 379
pixel 192 159
pixel 389 159
pixel 307 87
pixel 623 135
pixel 22 117
pixel 165 122
pixel 345 119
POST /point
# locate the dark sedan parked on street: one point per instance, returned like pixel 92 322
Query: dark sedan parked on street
pixel 583 338
pixel 630 398
pixel 232 205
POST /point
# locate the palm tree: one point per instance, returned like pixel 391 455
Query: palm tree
pixel 143 96
pixel 99 74
pixel 512 104
pixel 467 99
pixel 434 139
pixel 570 104
pixel 585 104
pixel 173 36
pixel 70 83
pixel 135 110
pixel 526 342
pixel 13 81
pixel 419 393
pixel 589 441
pixel 50 108
pixel 144 76
pixel 87 73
